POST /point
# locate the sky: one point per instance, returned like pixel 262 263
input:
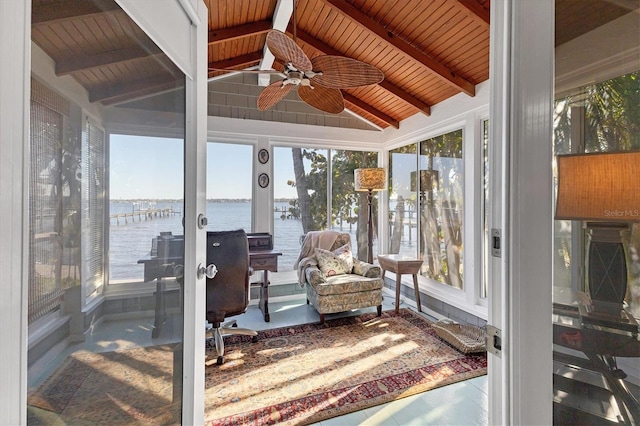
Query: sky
pixel 152 168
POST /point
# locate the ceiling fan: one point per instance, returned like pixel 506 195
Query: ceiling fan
pixel 317 80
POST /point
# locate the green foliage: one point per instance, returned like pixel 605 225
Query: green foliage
pixel 344 196
pixel 612 116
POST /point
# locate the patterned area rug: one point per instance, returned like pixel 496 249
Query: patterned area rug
pixel 133 387
pixel 292 375
pixel 305 374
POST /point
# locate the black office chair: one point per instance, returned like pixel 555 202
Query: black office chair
pixel 228 290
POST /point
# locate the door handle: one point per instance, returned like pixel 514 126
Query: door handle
pixel 210 271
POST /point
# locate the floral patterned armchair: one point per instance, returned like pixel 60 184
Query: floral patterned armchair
pixel 336 281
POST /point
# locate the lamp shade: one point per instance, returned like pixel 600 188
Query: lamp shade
pixel 599 187
pixel 370 179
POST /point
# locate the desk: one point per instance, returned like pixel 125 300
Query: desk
pixel 264 260
pixel 161 270
pixel 260 259
pixel 578 381
pixel 400 264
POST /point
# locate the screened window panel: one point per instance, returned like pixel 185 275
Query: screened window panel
pixel 45 250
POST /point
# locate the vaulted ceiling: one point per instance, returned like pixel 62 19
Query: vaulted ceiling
pixel 428 50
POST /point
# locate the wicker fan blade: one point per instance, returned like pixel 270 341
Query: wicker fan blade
pixel 339 72
pixel 286 50
pixel 322 98
pixel 272 94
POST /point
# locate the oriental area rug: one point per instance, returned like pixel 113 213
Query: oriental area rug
pixel 293 375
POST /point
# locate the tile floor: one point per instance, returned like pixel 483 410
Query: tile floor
pixel 462 403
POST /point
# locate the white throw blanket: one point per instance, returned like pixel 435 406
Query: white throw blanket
pixel 313 239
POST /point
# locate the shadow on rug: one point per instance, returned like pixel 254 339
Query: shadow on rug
pixel 132 387
pixel 309 373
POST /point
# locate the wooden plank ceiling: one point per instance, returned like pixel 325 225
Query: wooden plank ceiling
pixel 102 49
pixel 428 50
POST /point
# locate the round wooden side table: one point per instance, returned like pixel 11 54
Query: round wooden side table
pixel 401 264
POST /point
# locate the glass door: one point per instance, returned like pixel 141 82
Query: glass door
pixel 105 221
pixel 596 352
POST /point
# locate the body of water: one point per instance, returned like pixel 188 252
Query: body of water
pixel 132 241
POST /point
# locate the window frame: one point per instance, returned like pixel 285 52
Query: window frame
pixel 468 299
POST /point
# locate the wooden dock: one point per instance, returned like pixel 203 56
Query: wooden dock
pixel 141 215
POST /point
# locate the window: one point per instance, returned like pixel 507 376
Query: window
pixel 441 208
pixel 146 183
pixel 426 205
pixel 301 188
pixel 349 209
pixel 300 198
pixel 486 242
pixel 229 180
pixel 93 208
pixel 54 202
pixel 403 201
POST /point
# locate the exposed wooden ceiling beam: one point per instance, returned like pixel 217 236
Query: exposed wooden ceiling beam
pixel 477 12
pixel 242 61
pixel 239 31
pixel 117 92
pixel 368 108
pixel 85 63
pixel 448 76
pixel 70 9
pixel 281 17
pixel 410 99
pixel 385 84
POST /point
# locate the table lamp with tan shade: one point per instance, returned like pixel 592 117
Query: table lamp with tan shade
pixel 603 190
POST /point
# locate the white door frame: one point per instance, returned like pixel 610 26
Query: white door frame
pixel 195 205
pixel 15 50
pixel 522 63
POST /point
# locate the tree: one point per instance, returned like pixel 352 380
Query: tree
pixel 311 187
pixel 441 210
pixel 304 199
pixel 612 115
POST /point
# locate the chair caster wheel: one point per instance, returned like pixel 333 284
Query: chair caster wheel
pixel 254 339
pixel 220 360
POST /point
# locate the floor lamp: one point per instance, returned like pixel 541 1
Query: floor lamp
pixel 602 189
pixel 370 180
